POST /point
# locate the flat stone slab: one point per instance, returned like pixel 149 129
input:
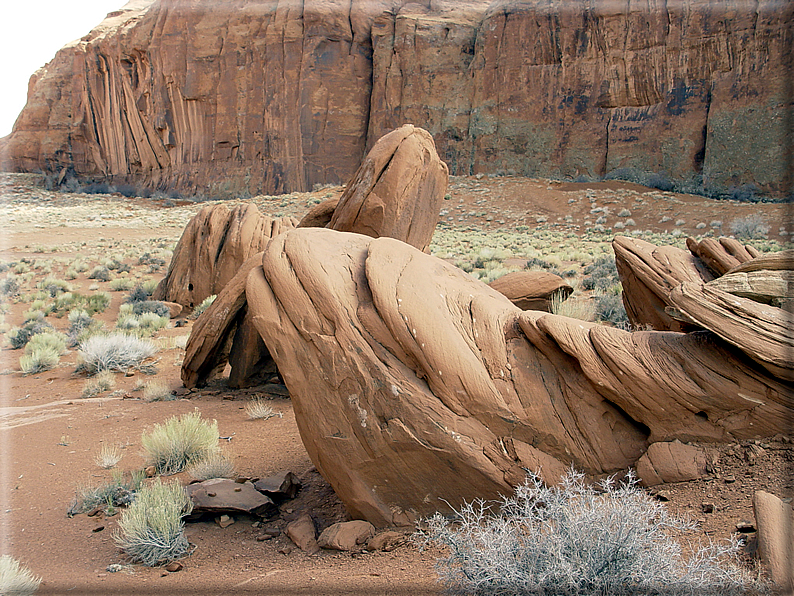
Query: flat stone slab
pixel 221 495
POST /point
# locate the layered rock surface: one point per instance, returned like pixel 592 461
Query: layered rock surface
pixel 274 95
pixel 434 388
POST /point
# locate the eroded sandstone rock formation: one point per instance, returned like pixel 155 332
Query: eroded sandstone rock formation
pixel 397 192
pixel 276 95
pixel 532 290
pixel 434 388
pixel 215 243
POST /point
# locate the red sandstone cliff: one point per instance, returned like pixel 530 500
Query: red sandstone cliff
pixel 274 95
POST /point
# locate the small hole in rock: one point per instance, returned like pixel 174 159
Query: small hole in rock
pixel 190 287
pixel 702 415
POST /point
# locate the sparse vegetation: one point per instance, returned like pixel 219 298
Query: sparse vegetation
pixel 103 381
pixel 121 284
pixel 215 465
pixel 180 442
pixel 16 580
pixel 116 351
pixel 204 305
pixel 576 539
pixel 157 391
pixel 117 492
pixel 259 409
pixel 108 456
pixel 100 273
pixel 42 352
pixel 750 227
pixel 151 531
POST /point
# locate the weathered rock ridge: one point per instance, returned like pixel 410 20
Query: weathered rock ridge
pixel 415 385
pixel 278 95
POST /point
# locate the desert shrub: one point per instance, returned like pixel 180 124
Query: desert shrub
pixel 744 193
pixel 660 181
pixel 147 259
pixel 97 302
pixel 601 274
pixel 138 294
pixel 9 286
pixel 120 284
pixel 609 308
pixel 157 391
pixel 16 580
pixel 204 305
pixel 100 273
pixel 576 539
pixel 151 306
pixel 47 339
pixel 116 351
pixel 42 352
pixel 152 531
pixel 144 324
pixel 149 286
pixel 750 227
pixel 97 188
pixel 18 337
pixel 108 456
pixel 54 286
pixel 104 381
pixel 179 442
pixel 574 307
pixel 118 491
pixel 259 409
pixel 215 465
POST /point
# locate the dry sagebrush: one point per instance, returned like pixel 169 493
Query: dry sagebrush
pixel 151 530
pixel 179 442
pixel 575 539
pixel 16 580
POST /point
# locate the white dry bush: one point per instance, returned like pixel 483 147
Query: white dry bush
pixel 116 351
pixel 108 456
pixel 259 409
pixel 16 580
pixel 751 227
pixel 576 539
pixel 151 531
pixel 215 465
pixel 179 442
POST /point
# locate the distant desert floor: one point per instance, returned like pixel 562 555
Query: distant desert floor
pixel 50 435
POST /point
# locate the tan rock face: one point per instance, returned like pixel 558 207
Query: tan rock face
pixel 273 96
pixel 397 191
pixel 215 243
pixel 775 522
pixel 433 386
pixel 671 462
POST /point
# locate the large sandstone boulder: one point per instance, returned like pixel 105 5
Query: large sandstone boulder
pixel 671 462
pixel 397 190
pixel 216 241
pixel 435 389
pixel 775 521
pixel 532 290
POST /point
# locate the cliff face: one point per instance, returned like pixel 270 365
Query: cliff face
pixel 274 95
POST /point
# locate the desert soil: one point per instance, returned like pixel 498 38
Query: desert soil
pixel 50 436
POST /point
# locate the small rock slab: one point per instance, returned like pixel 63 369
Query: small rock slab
pixel 221 495
pixel 775 522
pixel 279 487
pixel 302 533
pixel 346 536
pixel 671 462
pixel 386 541
pixel 532 290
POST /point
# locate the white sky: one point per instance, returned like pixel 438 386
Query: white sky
pixel 31 32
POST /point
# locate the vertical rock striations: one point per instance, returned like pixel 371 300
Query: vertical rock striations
pixel 279 95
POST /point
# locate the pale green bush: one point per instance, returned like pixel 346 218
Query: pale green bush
pixel 204 305
pixel 151 531
pixel 180 442
pixel 215 465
